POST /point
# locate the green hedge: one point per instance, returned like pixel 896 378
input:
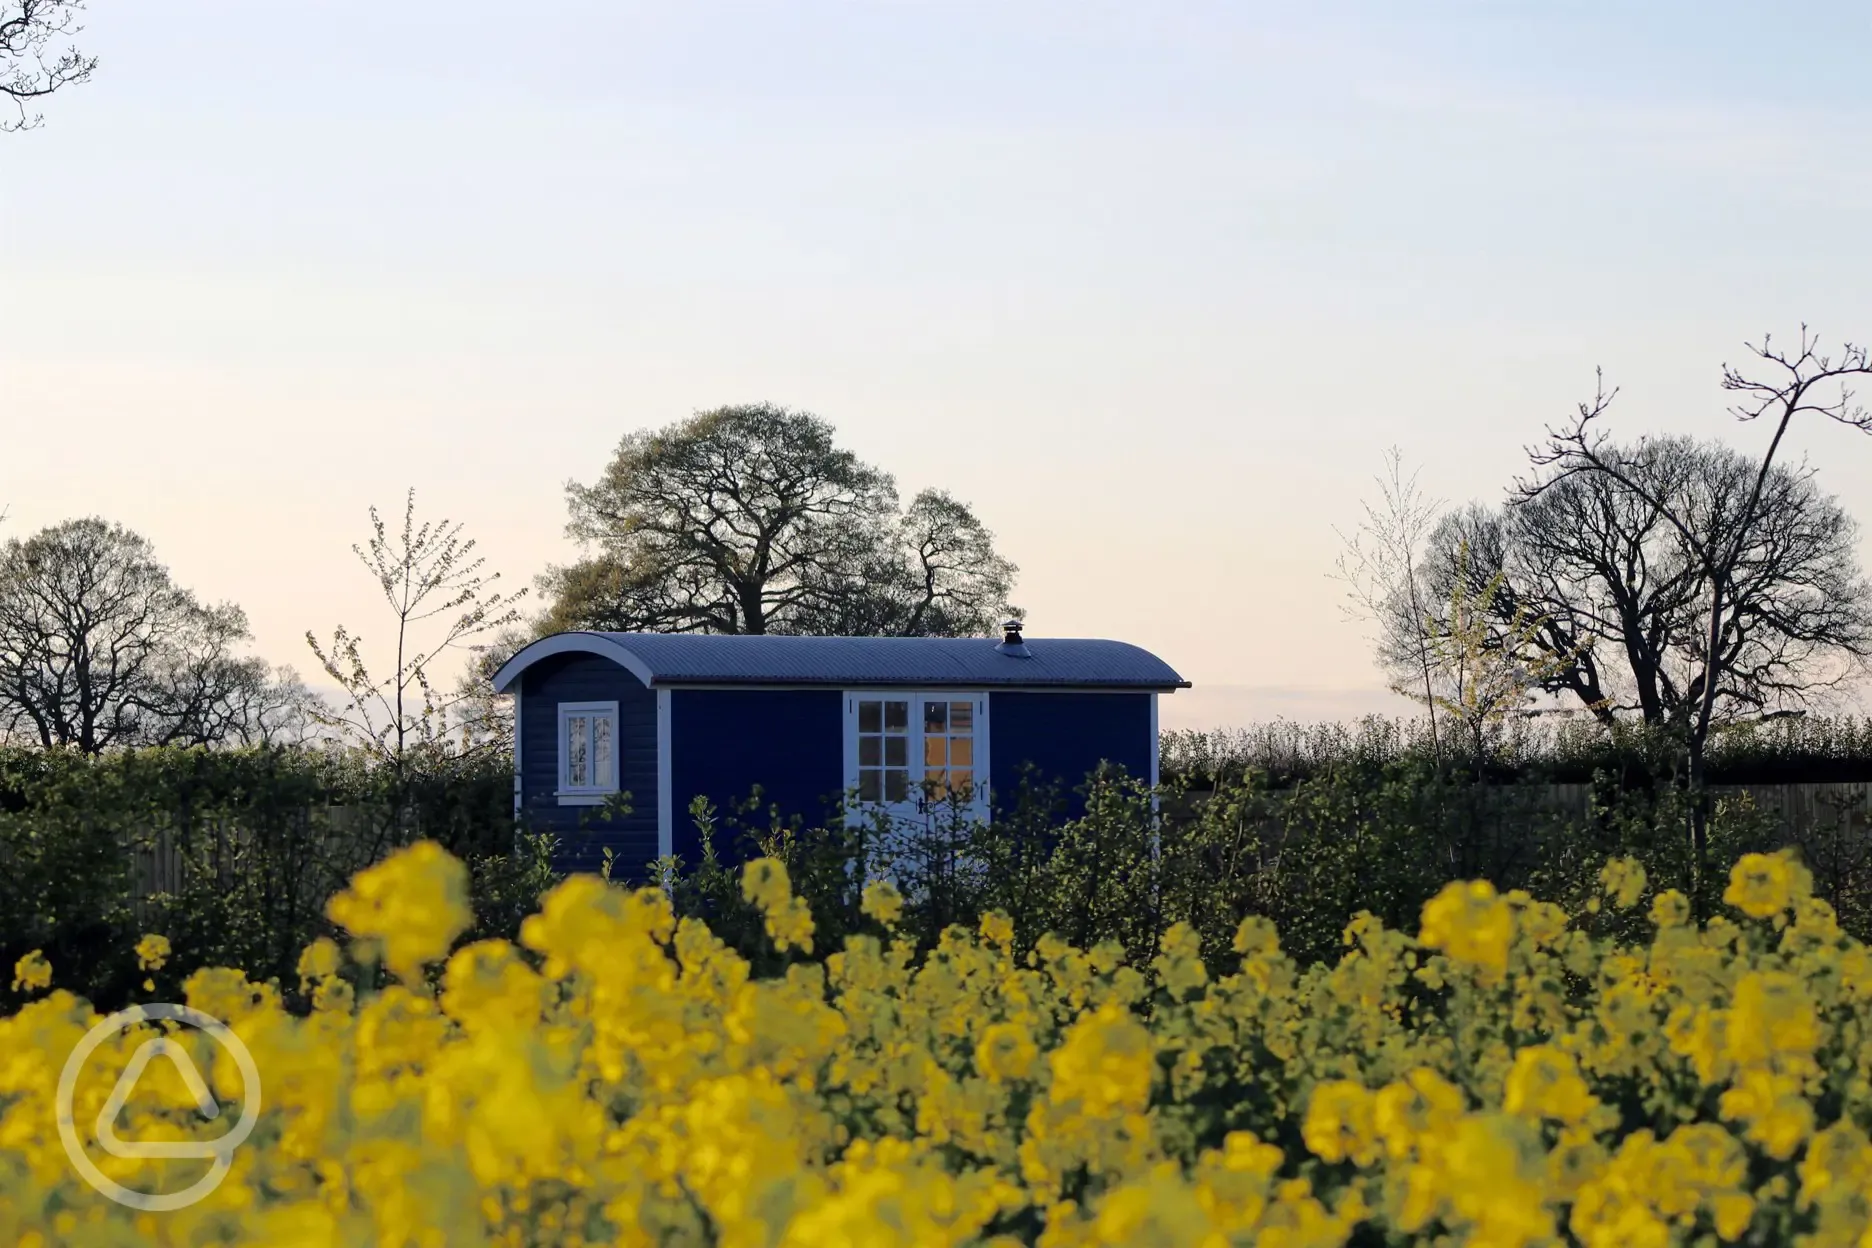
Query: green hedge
pixel 1789 750
pixel 264 837
pixel 1381 839
pixel 1347 828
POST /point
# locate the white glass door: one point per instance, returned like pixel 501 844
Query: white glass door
pixel 914 755
pixel 884 753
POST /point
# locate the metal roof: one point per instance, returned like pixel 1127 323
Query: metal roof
pixel 667 659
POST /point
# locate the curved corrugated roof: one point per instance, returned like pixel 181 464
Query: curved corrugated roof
pixel 665 659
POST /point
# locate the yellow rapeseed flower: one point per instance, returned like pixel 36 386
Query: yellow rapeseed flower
pixel 1470 923
pixel 1670 908
pixel 32 973
pixel 1339 1123
pixel 1623 880
pixel 152 952
pixel 319 959
pixel 1006 1051
pixel 1105 1063
pixel 764 882
pixel 1764 885
pixel 883 902
pixel 1545 1083
pixel 622 1076
pixel 410 907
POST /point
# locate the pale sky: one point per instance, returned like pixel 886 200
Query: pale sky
pixel 1150 285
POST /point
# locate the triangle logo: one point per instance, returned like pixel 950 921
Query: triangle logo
pixel 178 1056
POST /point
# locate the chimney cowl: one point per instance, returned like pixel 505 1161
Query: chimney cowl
pixel 1011 641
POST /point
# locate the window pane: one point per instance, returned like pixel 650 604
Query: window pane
pixel 961 751
pixel 935 716
pixel 869 785
pixel 896 717
pixel 896 785
pixel 870 751
pixel 961 716
pixel 578 755
pixel 870 716
pixel 601 751
pixel 961 784
pixel 896 751
pixel 934 755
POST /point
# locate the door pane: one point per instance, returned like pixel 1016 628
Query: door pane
pixel 891 772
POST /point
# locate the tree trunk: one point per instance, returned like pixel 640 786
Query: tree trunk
pixel 753 608
pixel 1698 737
pixel 1699 828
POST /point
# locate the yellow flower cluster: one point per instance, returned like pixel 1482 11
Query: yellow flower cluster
pixel 620 1076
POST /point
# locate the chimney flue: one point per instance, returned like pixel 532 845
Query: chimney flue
pixel 1011 642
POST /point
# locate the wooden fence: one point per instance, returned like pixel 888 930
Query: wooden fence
pixel 1801 807
pixel 328 843
pixel 333 841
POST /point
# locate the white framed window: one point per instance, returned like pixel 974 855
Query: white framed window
pixel 914 753
pixel 588 752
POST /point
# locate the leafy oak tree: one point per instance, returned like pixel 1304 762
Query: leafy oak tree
pixel 752 519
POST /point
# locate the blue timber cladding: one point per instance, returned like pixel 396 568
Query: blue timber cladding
pixel 583 836
pixel 723 742
pixel 741 712
pixel 1065 736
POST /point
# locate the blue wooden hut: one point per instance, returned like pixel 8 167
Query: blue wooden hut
pixel 814 721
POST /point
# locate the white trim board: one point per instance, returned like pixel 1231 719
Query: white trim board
pixel 1156 745
pixel 570 643
pixel 665 770
pixel 519 760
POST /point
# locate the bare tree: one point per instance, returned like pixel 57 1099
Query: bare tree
pixel 752 519
pixel 427 573
pixel 1485 660
pixel 37 56
pixel 1613 583
pixel 100 648
pixel 272 708
pixel 1384 583
pixel 1794 382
